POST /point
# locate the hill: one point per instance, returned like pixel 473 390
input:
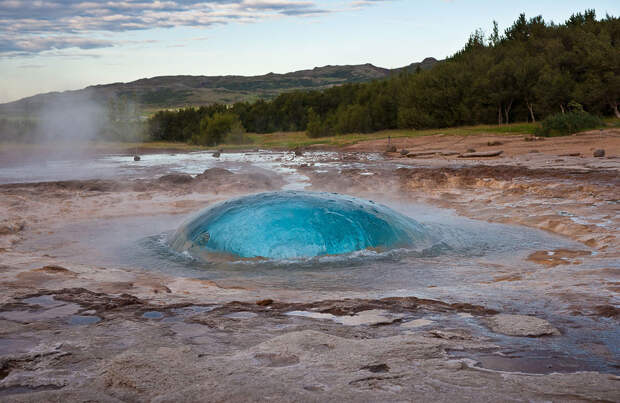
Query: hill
pixel 178 91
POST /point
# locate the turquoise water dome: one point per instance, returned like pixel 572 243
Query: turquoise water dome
pixel 285 225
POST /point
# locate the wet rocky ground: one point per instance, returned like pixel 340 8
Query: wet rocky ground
pixel 79 345
pixel 81 332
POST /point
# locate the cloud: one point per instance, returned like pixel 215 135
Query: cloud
pixel 32 27
pixel 364 3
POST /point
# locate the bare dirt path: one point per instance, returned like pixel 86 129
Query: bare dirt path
pixel 512 146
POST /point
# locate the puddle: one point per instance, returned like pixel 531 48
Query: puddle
pixel 44 308
pixel 46 301
pixel 16 390
pixel 194 309
pixel 369 317
pixel 83 320
pixel 152 315
pixel 241 315
pixel 416 323
pixel 530 362
pixel 16 345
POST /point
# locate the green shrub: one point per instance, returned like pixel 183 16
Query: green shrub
pixel 217 128
pixel 237 135
pixel 317 127
pixel 563 124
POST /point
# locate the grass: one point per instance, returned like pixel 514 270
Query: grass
pixel 290 140
pixel 299 139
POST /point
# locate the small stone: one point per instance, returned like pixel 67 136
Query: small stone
pixel 391 149
pixel 216 154
pixel 471 150
pixel 298 152
pixel 599 153
pixel 314 388
pixel 136 158
pixel 404 152
pixel 264 302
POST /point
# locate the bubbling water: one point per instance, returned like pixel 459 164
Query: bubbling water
pixel 290 225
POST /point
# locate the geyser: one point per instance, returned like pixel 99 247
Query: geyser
pixel 283 225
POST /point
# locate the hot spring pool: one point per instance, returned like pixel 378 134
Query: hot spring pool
pixel 416 248
pixel 287 225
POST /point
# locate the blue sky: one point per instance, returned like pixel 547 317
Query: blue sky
pixel 56 45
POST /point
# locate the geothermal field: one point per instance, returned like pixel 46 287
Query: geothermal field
pixel 348 274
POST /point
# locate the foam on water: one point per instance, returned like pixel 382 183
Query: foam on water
pixel 286 225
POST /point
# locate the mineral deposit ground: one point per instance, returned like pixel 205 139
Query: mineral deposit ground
pixel 523 308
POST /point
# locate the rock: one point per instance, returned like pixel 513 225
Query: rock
pixel 455 334
pixel 276 360
pixel 599 153
pixel 214 173
pixel 391 149
pixel 11 227
pixel 298 152
pixel 216 154
pixel 422 154
pixel 521 325
pixel 607 311
pixel 404 152
pixel 264 302
pixel 55 270
pixel 257 180
pixel 241 315
pixel 176 178
pixel 371 317
pixel 136 158
pixel 494 143
pixel 481 154
pixel 416 323
pixel 376 368
pixel 471 150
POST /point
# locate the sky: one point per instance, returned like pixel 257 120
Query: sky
pixel 57 45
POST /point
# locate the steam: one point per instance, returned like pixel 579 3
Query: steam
pixel 40 133
pixel 74 120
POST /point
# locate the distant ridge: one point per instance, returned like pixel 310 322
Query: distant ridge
pixel 182 90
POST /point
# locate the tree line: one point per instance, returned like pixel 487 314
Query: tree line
pixel 530 71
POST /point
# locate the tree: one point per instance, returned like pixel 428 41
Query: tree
pixel 531 71
pixel 316 126
pixel 214 129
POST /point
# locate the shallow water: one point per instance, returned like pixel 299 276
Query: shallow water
pixel 194 163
